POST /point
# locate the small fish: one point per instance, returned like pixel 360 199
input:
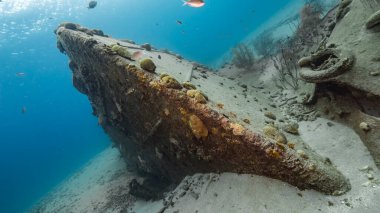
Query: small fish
pixel 20 74
pixel 179 22
pixel 137 55
pixel 23 110
pixel 92 4
pixel 194 3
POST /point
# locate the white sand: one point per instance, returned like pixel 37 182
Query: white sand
pixel 91 188
pixel 100 186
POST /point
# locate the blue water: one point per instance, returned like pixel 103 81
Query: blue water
pixel 57 134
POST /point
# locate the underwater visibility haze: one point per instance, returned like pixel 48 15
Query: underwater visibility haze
pixel 57 133
pixel 49 130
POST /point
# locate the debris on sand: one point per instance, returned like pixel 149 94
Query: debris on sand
pixel 292 128
pixel 270 115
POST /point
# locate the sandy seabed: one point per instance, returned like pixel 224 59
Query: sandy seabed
pixel 102 185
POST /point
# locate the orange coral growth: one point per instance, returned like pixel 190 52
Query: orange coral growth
pixel 291 145
pixel 183 111
pixel 273 153
pixel 197 127
pixel 214 131
pixel 237 129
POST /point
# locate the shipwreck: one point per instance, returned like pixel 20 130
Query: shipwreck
pixel 166 122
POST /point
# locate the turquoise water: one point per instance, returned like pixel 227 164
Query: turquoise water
pixel 56 134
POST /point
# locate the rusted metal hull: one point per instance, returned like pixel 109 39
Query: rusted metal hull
pixel 162 131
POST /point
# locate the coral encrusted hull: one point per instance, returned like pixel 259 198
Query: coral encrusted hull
pixel 167 131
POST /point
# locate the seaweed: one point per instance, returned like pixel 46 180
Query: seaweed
pixel 243 56
pixel 264 44
pixel 285 62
